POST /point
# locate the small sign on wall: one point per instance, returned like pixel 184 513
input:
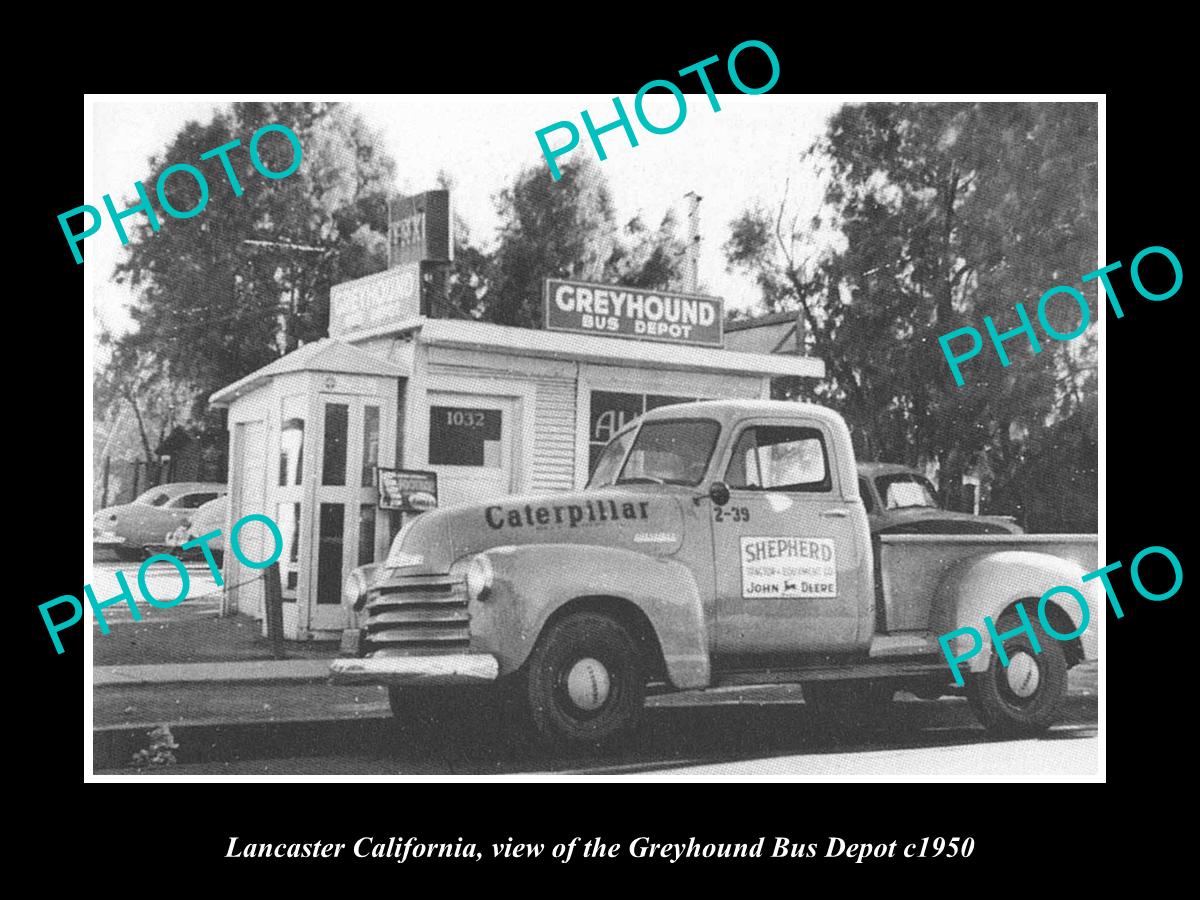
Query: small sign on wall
pixel 407 490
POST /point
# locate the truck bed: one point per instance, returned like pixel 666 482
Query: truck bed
pixel 912 565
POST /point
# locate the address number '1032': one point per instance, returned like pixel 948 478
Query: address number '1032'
pixel 465 418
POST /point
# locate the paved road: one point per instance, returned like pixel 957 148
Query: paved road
pixel 720 734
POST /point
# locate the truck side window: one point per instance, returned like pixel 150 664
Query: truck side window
pixel 864 491
pixel 779 458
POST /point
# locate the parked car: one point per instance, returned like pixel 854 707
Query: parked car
pixel 208 518
pixel 900 500
pixel 127 529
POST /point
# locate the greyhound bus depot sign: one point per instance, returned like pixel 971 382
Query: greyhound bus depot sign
pixel 617 311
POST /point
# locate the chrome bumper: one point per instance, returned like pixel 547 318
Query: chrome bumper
pixel 414 671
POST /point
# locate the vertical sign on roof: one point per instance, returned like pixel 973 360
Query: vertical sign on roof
pixel 419 228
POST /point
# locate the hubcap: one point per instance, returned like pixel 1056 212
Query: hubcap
pixel 588 684
pixel 1023 675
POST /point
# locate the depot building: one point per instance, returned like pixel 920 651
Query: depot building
pixel 399 410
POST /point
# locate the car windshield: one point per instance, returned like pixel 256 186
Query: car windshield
pixel 153 497
pixel 906 490
pixel 670 451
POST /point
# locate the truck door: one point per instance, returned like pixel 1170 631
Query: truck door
pixel 789 566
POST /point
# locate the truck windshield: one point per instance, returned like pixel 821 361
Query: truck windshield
pixel 671 451
pixel 606 466
pixel 904 490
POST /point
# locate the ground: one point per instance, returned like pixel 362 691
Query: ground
pixel 191 632
pixel 312 727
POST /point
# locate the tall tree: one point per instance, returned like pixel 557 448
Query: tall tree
pixel 141 383
pixel 568 229
pixel 950 212
pixel 247 280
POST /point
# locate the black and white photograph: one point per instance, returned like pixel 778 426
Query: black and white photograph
pixel 707 433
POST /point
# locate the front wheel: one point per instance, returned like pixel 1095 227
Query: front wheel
pixel 1025 697
pixel 584 683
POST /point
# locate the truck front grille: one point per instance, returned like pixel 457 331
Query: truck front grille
pixel 423 615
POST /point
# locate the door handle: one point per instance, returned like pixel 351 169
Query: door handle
pixel 836 513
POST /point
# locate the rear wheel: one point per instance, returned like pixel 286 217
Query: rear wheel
pixel 584 684
pixel 1026 696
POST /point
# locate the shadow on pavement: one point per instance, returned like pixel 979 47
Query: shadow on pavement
pixel 670 737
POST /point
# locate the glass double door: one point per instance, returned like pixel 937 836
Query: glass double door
pixel 347 528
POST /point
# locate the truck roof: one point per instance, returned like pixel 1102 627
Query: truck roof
pixel 731 410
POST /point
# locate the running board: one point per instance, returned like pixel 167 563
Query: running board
pixel 904 643
pixel 909 668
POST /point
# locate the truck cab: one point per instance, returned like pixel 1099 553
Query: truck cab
pixel 716 543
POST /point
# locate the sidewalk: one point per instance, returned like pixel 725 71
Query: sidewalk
pixel 259 671
pixel 189 668
pixel 160 640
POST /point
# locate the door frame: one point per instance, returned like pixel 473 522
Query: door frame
pixel 328 617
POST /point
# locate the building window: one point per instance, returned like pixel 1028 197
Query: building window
pixel 329 553
pixel 612 411
pixel 459 436
pixel 366 534
pixel 291 452
pixel 337 426
pixel 370 454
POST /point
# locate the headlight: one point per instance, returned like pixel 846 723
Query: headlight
pixel 354 591
pixel 479 577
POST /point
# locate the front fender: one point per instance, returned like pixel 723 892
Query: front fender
pixel 987 585
pixel 533 581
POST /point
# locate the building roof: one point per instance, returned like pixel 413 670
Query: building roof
pixel 325 355
pixel 775 333
pixel 760 321
pixel 470 334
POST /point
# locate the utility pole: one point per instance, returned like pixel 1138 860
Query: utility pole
pixel 691 274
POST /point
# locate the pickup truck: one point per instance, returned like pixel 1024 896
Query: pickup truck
pixel 716 544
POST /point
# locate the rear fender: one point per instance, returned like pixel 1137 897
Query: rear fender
pixel 532 582
pixel 988 585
